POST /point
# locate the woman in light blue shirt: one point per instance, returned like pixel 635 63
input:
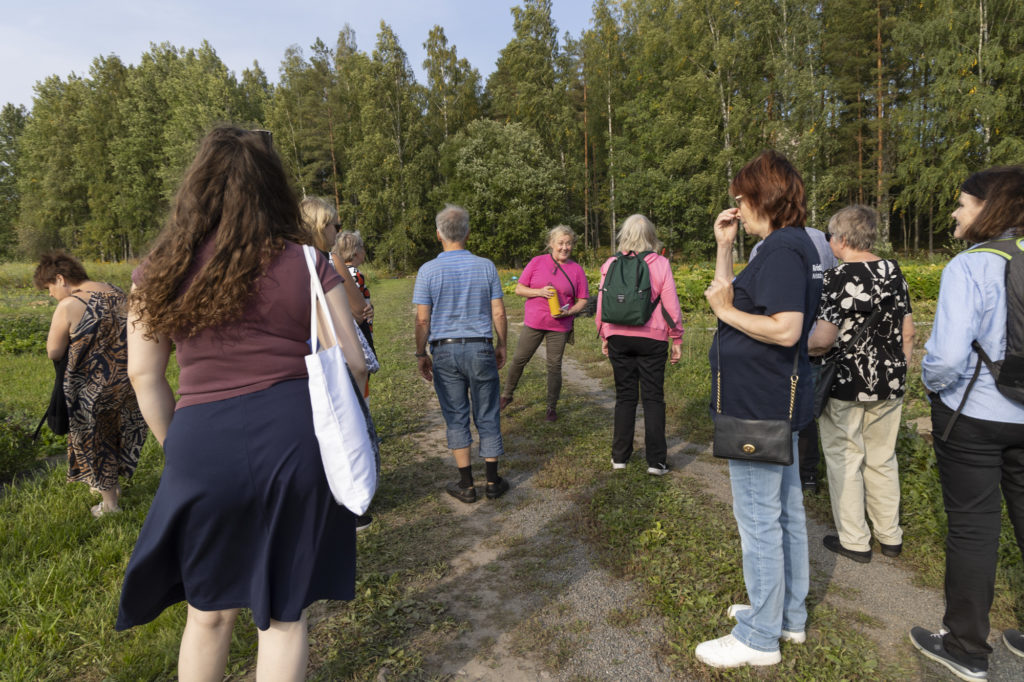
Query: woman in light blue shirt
pixel 978 433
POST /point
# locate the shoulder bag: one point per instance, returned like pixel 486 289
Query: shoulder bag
pixel 754 440
pixel 341 419
pixel 827 370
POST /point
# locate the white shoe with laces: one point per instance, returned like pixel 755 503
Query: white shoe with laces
pixel 729 652
pixel 786 636
pixel 618 465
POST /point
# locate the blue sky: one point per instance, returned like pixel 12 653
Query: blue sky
pixel 39 38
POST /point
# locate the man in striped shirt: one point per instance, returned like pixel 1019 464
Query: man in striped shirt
pixel 458 300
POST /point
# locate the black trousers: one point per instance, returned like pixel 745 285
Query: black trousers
pixel 639 367
pixel 808 446
pixel 978 459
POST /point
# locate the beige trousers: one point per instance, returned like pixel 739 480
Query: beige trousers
pixel 858 439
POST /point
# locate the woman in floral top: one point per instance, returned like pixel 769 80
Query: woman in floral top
pixel 862 417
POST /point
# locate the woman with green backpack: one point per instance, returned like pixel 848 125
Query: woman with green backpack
pixel 637 316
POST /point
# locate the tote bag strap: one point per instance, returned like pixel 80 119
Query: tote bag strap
pixel 317 298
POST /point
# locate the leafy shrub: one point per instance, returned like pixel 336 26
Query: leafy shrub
pixel 923 279
pixel 17 451
pixel 23 333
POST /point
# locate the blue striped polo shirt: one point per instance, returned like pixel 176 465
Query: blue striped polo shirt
pixel 459 288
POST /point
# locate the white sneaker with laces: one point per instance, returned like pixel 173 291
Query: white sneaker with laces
pixel 659 470
pixel 786 636
pixel 618 465
pixel 729 652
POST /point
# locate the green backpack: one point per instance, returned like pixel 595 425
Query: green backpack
pixel 626 292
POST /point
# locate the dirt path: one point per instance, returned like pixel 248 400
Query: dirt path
pixel 535 605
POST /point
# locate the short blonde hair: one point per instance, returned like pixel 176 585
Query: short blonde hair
pixel 317 214
pixel 348 245
pixel 856 225
pixel 637 234
pixel 559 231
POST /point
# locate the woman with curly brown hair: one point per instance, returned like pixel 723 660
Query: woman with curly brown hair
pixel 243 517
pixel 87 333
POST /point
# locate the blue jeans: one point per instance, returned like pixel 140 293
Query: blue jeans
pixel 466 379
pixel 769 508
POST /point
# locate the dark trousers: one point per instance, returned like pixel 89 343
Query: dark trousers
pixel 529 342
pixel 639 367
pixel 978 459
pixel 807 446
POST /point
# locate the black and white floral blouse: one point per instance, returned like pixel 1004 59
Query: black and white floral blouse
pixel 875 367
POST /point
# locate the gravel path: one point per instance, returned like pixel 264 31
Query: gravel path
pixel 537 607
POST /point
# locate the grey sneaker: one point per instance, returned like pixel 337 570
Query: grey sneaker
pixel 1014 641
pixel 658 470
pixel 930 644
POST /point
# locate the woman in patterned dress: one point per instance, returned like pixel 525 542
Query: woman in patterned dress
pixel 862 417
pixel 106 429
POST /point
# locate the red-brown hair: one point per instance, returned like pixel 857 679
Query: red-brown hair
pixel 56 263
pixel 1002 190
pixel 771 187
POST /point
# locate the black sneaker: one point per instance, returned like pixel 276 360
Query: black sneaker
pixel 832 544
pixel 363 522
pixel 1014 641
pixel 467 495
pixel 930 644
pixel 891 550
pixel 809 483
pixel 496 489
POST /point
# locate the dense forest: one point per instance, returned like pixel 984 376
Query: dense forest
pixel 652 109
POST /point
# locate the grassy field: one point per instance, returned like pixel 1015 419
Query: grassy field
pixel 60 570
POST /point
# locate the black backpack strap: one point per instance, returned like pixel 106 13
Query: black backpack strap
pixel 970 385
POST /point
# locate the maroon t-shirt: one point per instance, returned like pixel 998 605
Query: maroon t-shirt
pixel 265 346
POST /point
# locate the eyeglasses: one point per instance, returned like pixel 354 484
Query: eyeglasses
pixel 828 236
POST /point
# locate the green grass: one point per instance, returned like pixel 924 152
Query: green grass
pixel 60 570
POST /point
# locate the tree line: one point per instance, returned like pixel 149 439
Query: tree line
pixel 651 109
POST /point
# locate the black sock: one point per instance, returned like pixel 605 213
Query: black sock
pixel 466 474
pixel 492 471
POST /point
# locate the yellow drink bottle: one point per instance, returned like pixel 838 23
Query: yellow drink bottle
pixel 553 305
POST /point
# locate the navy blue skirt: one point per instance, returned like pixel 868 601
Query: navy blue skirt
pixel 243 516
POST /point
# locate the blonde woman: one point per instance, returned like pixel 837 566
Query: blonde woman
pixel 549 275
pixel 638 354
pixel 320 224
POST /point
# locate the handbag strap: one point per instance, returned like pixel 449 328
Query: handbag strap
pixel 793 378
pixel 317 299
pixel 571 285
pixel 875 314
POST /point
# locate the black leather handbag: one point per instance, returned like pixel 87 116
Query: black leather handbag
pixel 754 440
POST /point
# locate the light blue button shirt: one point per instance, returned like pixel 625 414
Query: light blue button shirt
pixel 972 306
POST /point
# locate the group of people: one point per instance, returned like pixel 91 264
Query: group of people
pixel 244 518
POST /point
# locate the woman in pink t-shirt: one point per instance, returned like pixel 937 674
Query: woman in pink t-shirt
pixel 545 277
pixel 638 353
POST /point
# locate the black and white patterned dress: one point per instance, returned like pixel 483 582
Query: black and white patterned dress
pixel 875 368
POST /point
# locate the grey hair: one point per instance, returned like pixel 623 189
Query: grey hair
pixel 637 234
pixel 856 225
pixel 560 231
pixel 453 224
pixel 347 245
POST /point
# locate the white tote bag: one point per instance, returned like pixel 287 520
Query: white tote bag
pixel 348 454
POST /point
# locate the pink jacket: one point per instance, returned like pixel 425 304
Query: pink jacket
pixel 662 284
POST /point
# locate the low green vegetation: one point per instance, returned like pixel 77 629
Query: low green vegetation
pixel 60 570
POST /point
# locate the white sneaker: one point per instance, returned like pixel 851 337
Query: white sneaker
pixel 659 470
pixel 618 465
pixel 729 652
pixel 786 636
